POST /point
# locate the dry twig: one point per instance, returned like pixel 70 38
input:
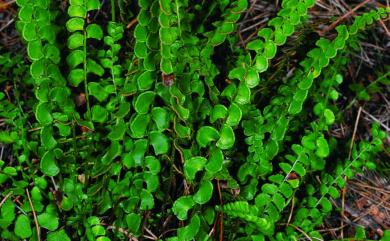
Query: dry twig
pixel 34 215
pixel 5 198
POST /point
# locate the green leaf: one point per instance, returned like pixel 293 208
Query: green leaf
pixel 52 53
pixel 22 227
pixel 99 114
pixel 205 192
pixel 279 201
pixel 59 94
pixel 146 80
pixel 331 52
pixel 140 33
pixel 217 39
pixel 123 110
pixel 117 131
pixel 153 164
pixel 10 171
pixel 26 13
pixel 252 78
pixel 133 222
pixel 181 207
pixel 322 147
pixel 152 181
pixel 190 231
pixel 48 221
pixel 48 164
pixel 165 6
pixel 161 117
pixel 306 83
pixel 77 11
pixel 75 58
pixel 280 37
pixel 237 73
pixel 192 166
pixel 150 62
pixel 360 233
pixel 269 188
pixel 234 116
pixel 329 116
pixel 269 50
pixel 6 138
pixel 280 129
pixel 261 63
pixel 333 192
pixel 295 107
pixel 47 138
pixel 219 112
pixel 64 130
pixel 139 124
pixel 43 113
pixel 113 151
pixel 34 50
pixel 166 65
pixel 75 24
pixel 159 142
pixel 76 76
pixel 265 33
pixel 95 68
pixel 94 31
pixel 140 50
pixel 205 135
pixel 75 41
pixel 164 20
pixel 294 183
pixel 243 94
pixel 241 5
pixel 300 169
pixel 288 28
pixel 7 213
pixel 144 17
pixel 182 131
pixel 285 167
pixel 215 161
pixel 38 68
pixel 93 5
pixel 29 31
pixel 271 149
pixel 77 2
pixel 140 147
pixel 167 35
pixel 300 95
pixel 256 44
pixel 147 200
pixel 143 102
pixel 326 205
pixel 386 235
pixel 58 236
pixel 96 90
pixel 226 28
pixel 308 141
pixel 227 138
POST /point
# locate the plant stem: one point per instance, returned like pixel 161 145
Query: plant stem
pixel 113 10
pixel 85 77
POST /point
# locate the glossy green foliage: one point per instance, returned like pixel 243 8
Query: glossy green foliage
pixel 150 131
pixel 80 32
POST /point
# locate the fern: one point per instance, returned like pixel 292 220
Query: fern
pixel 166 129
pixel 54 107
pixel 278 191
pixel 244 211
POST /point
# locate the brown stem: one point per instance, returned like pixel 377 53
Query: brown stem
pixel 35 216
